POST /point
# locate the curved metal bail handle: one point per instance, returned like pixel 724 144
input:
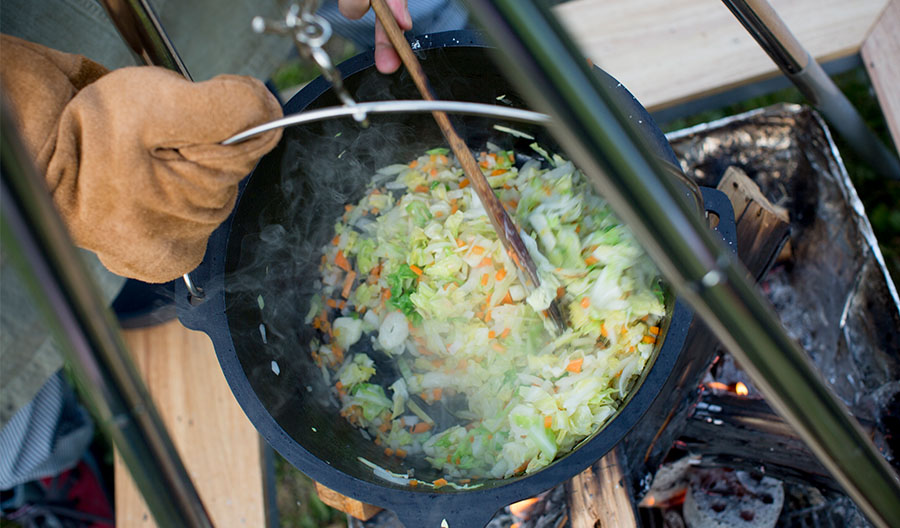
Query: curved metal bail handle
pixel 310 32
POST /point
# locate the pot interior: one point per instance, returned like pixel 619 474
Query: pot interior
pixel 287 212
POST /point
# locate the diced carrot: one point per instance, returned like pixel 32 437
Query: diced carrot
pixel 458 458
pixel 463 183
pixel 507 186
pixel 413 483
pixel 384 427
pixel 603 331
pixel 648 339
pixel 500 274
pixel 483 164
pixel 377 441
pixel 507 299
pixel 484 279
pixel 433 173
pixel 498 172
pixel 339 385
pixel 654 330
pixel 574 366
pixel 590 261
pixel 560 292
pixel 421 189
pixel 439 483
pixel 486 261
pixel 341 305
pixel 348 208
pixel 477 250
pixel 454 206
pixel 416 269
pixel 492 334
pixel 331 303
pixel 388 451
pixel 421 427
pixel 498 347
pixel 386 294
pixel 400 453
pixel 505 332
pixel 514 257
pixel 374 211
pixel 460 243
pixel 336 240
pixel 513 204
pixel 342 261
pixel 548 421
pixel 522 468
pixel 338 353
pixel 443 159
pixel 361 310
pixel 578 228
pixel 512 157
pixel 413 164
pixel 585 302
pixel 437 393
pixel 479 314
pixel 348 284
pixel 487 317
pixel 493 155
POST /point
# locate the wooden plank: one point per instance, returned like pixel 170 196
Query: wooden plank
pixel 600 496
pixel 220 448
pixel 670 51
pixel 881 54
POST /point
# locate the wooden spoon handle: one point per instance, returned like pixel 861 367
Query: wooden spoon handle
pixel 504 226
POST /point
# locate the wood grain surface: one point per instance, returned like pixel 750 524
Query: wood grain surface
pixel 881 54
pixel 670 51
pixel 217 443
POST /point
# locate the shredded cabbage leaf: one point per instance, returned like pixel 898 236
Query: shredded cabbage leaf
pixel 416 272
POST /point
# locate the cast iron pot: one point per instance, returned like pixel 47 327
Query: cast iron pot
pixel 261 266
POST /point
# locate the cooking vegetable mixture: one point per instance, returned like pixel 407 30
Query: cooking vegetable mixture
pixel 416 272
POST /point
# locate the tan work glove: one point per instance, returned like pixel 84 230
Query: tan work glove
pixel 132 157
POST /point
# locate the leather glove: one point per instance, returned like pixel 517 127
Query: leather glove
pixel 132 157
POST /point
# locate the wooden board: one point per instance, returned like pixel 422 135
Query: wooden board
pixel 600 496
pixel 670 51
pixel 881 54
pixel 219 446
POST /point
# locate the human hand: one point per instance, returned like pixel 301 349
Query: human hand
pixel 132 157
pixel 386 58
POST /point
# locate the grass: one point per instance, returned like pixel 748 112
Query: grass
pixel 880 197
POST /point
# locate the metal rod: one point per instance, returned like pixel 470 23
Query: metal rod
pixel 555 77
pixel 394 107
pixel 764 25
pixel 35 239
pixel 142 31
pixel 140 28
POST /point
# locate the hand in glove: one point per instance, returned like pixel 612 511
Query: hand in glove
pixel 132 157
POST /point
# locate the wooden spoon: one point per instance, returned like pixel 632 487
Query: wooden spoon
pixel 504 226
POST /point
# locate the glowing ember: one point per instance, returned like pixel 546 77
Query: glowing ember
pixel 741 389
pixel 717 385
pixel 520 509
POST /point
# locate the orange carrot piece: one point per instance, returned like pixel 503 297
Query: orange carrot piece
pixel 648 339
pixel 507 299
pixel 413 164
pixel 574 366
pixel 400 453
pixel 654 330
pixel 498 347
pixel 500 274
pixel 443 159
pixel 421 189
pixel 477 250
pixel 492 334
pixel 421 427
pixel 433 173
pixel 416 269
pixel 484 279
pixel 437 393
pixel 331 303
pixel 487 317
pixel 585 302
pixel 590 261
pixel 603 331
pixel 548 421
pixel 439 483
pixel 463 183
pixel 342 261
pixel 386 294
pixel 388 451
pixel 348 284
pixel 413 483
pixel 336 240
pixel 460 243
pixel 560 292
pixel 486 261
pixel 505 332
pixel 498 172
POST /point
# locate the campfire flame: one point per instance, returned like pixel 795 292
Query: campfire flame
pixel 520 509
pixel 740 389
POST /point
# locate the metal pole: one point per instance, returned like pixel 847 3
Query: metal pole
pixel 35 238
pixel 556 78
pixel 764 25
pixel 142 31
